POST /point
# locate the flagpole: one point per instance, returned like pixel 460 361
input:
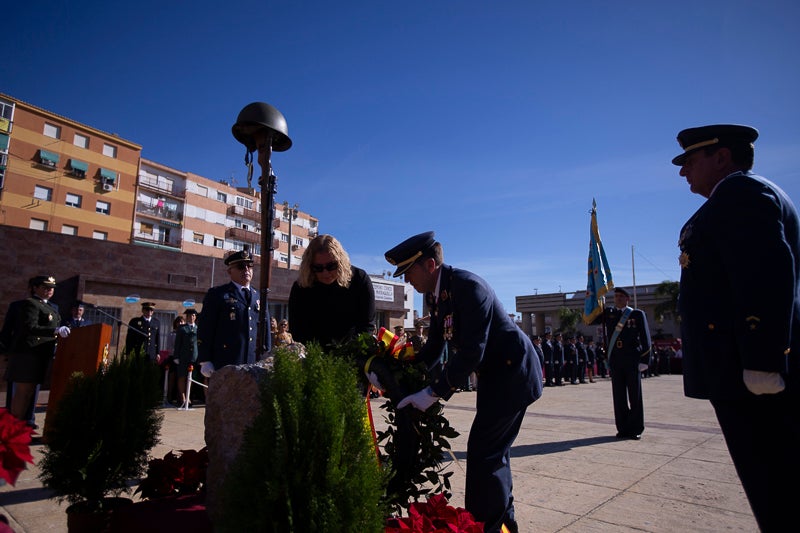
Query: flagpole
pixel 633 272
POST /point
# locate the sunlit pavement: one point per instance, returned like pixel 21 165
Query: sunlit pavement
pixel 570 472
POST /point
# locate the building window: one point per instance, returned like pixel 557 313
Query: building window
pixel 244 202
pixel 69 230
pixel 104 208
pixel 43 193
pixel 218 243
pixel 284 237
pixel 222 197
pixel 109 150
pixel 298 241
pixel 202 190
pixel 145 228
pixel 81 140
pixel 198 238
pixel 51 130
pixel 41 225
pixel 73 200
pixel 284 258
pixel 100 235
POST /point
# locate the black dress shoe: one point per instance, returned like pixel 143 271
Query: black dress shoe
pixel 636 437
pixel 621 436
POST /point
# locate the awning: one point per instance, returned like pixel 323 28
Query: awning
pixel 48 156
pixel 108 175
pixel 169 224
pixel 3 142
pixel 79 165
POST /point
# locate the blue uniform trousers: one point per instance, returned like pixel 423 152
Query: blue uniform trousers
pixel 763 437
pixel 489 485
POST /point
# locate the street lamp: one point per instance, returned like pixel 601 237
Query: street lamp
pixel 289 213
pixel 261 127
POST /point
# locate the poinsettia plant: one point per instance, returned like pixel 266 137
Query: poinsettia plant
pixel 414 442
pixel 15 451
pixel 435 516
pixel 178 473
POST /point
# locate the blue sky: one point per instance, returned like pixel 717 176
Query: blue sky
pixel 492 123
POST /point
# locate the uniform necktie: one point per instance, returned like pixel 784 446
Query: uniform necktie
pixel 246 295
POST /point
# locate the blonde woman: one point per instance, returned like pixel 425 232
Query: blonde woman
pixel 332 300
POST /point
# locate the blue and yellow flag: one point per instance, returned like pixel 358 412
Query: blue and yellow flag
pixel 600 281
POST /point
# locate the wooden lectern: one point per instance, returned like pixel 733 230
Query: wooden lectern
pixel 83 351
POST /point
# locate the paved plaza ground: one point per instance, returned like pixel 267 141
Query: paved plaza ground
pixel 570 473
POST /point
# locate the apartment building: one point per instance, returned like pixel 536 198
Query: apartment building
pixel 61 176
pixel 117 227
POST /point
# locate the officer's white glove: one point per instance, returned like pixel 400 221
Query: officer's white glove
pixel 421 400
pixel 760 382
pixel 176 361
pixel 207 368
pixel 373 378
pixel 63 331
pixel 642 367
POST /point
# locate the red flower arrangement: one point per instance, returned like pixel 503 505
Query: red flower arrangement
pixel 435 516
pixel 15 451
pixel 178 473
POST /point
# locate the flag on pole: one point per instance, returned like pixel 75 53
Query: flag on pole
pixel 600 281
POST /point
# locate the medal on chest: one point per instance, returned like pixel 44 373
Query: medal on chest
pixel 447 327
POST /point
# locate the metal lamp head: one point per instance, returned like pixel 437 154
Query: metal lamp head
pixel 259 116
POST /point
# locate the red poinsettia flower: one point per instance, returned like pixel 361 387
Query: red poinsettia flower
pixel 15 450
pixel 435 516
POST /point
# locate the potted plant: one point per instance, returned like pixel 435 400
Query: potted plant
pixel 308 461
pixel 100 436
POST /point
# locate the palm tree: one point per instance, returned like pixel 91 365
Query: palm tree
pixel 569 318
pixel 669 307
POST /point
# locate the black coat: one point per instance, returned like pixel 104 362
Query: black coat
pixel 739 297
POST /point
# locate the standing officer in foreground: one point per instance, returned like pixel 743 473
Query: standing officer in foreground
pixel 144 333
pixel 739 305
pixel 629 344
pixel 227 326
pixel 33 344
pixel 471 332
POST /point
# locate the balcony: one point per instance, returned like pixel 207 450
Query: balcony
pixel 161 187
pixel 243 212
pixel 243 235
pixel 154 240
pixel 161 213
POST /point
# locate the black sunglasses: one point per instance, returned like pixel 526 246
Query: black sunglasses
pixel 330 267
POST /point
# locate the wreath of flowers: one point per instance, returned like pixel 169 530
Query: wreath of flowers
pixel 401 374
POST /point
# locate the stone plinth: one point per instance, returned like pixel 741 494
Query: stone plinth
pixel 232 402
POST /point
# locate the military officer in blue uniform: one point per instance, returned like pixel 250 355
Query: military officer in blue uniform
pixel 739 304
pixel 471 332
pixel 228 323
pixel 144 333
pixel 628 349
pixel 549 366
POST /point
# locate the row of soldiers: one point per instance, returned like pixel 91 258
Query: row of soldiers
pixel 569 360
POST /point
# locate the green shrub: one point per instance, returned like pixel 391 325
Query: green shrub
pixel 102 431
pixel 308 462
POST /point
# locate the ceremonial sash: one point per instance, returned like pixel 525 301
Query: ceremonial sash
pixel 617 330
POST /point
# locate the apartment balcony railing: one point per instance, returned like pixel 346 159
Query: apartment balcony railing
pixel 155 239
pixel 242 234
pixel 163 188
pixel 243 212
pixel 158 212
